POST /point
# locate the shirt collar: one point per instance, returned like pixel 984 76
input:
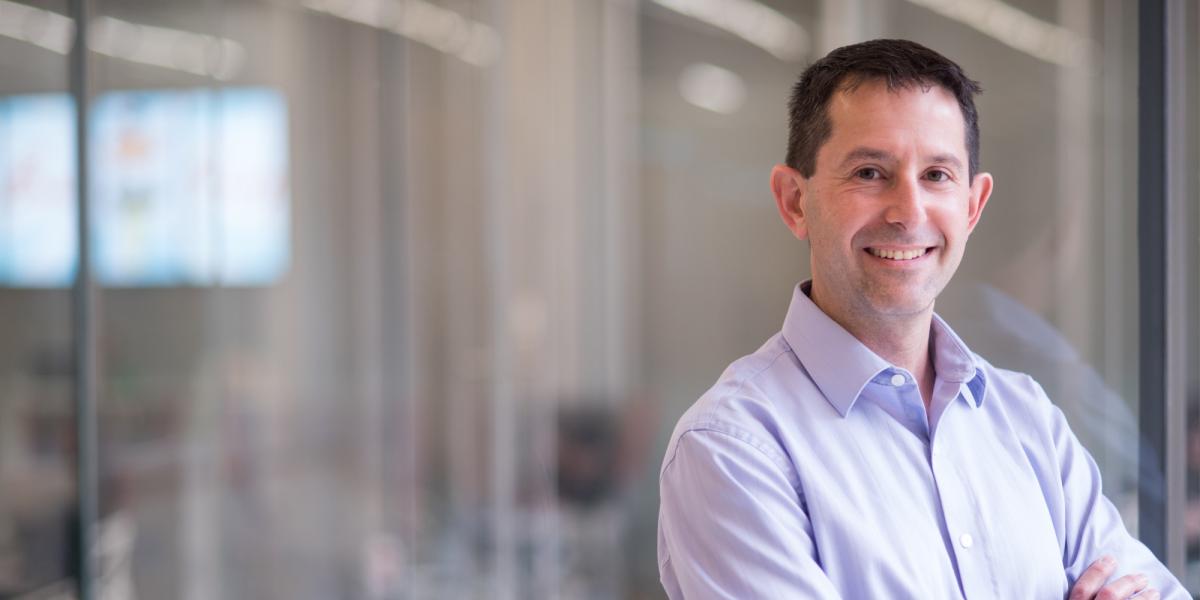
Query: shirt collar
pixel 841 366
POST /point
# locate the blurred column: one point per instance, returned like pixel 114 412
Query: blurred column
pixel 561 153
pixel 1116 188
pixel 1076 193
pixel 620 124
pixel 366 203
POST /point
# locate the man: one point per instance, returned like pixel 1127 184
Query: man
pixel 864 451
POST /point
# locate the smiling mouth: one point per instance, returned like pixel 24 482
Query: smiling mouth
pixel 898 254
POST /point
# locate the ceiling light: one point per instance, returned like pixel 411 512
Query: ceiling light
pixel 1016 29
pixel 752 21
pixel 712 88
pixel 173 49
pixel 424 22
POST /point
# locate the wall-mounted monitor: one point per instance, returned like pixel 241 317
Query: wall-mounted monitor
pixel 37 190
pixel 187 187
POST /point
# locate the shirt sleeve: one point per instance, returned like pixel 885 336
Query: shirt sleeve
pixel 1093 525
pixel 732 525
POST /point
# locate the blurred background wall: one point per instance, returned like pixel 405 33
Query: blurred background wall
pixel 402 298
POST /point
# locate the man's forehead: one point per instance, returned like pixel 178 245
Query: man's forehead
pixel 865 118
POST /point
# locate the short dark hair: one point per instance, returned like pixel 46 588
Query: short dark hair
pixel 900 63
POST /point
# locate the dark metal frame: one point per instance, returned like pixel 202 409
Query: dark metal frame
pixel 1162 275
pixel 1151 228
pixel 83 313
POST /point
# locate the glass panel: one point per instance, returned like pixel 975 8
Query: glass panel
pixel 1187 76
pixel 365 317
pixel 397 299
pixel 38 512
pixel 248 380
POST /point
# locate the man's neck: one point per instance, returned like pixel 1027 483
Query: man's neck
pixel 903 340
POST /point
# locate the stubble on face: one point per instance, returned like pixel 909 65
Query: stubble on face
pixel 848 216
pixel 846 287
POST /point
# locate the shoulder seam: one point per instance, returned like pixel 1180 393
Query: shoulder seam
pixel 742 383
pixel 736 433
pixel 708 422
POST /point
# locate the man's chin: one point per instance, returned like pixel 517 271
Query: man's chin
pixel 901 305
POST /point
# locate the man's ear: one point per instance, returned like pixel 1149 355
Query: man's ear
pixel 791 198
pixel 981 190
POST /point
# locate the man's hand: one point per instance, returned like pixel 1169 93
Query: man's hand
pixel 1087 587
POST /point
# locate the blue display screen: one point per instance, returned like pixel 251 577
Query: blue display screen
pixel 187 187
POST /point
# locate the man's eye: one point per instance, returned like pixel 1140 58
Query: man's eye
pixel 867 173
pixel 938 176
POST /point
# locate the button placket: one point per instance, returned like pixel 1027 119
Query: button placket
pixel 957 514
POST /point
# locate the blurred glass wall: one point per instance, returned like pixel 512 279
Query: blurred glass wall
pixel 402 298
pixel 38 524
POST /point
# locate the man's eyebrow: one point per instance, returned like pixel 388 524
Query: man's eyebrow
pixel 865 153
pixel 946 159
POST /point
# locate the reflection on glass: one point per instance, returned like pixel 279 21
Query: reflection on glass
pixel 38 523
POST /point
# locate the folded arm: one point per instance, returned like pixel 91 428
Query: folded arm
pixel 1093 528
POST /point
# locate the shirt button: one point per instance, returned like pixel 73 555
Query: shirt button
pixel 898 380
pixel 966 541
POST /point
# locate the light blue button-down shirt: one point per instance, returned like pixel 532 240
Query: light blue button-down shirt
pixel 811 470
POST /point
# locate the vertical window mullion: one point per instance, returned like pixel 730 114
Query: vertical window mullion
pixel 83 314
pixel 1176 241
pixel 1151 173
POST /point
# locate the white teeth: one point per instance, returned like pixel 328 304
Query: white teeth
pixel 898 254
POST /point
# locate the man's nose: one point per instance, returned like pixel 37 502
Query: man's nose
pixel 905 203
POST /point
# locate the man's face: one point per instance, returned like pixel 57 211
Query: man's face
pixel 890 205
